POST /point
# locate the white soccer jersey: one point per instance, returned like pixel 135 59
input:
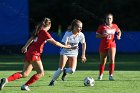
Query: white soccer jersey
pixel 70 39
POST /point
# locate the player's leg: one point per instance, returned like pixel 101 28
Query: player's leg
pixel 62 63
pixel 72 63
pixel 26 69
pixel 38 67
pixel 103 58
pixel 112 53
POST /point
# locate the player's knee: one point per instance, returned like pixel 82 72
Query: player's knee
pixel 60 69
pixel 41 74
pixel 112 61
pixel 24 75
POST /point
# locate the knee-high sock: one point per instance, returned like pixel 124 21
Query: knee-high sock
pixel 101 69
pixel 57 74
pixel 14 76
pixel 33 79
pixel 70 70
pixel 111 69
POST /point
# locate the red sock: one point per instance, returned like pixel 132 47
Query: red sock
pixel 33 79
pixel 111 69
pixel 101 69
pixel 14 76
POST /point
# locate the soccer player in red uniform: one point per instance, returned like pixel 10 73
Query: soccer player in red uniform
pixel 107 45
pixel 33 49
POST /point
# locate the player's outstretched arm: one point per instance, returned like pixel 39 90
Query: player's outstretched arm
pixel 56 43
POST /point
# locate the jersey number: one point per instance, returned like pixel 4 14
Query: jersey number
pixel 109 37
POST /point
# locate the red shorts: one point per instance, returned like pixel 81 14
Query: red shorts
pixel 32 56
pixel 105 48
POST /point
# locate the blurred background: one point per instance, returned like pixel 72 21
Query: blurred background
pixel 19 17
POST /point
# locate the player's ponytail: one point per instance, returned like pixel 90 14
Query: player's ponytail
pixel 44 23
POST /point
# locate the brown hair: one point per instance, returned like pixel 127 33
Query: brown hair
pixel 45 22
pixel 108 15
pixel 74 23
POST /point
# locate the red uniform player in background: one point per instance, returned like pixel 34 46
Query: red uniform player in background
pixel 107 45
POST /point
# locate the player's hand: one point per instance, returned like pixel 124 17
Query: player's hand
pixel 118 37
pixel 24 49
pixel 84 59
pixel 68 46
pixel 105 35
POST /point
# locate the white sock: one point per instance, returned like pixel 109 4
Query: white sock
pixel 57 74
pixel 101 75
pixel 70 70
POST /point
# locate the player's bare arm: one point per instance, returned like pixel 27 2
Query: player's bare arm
pixel 119 35
pixel 101 35
pixel 83 52
pixel 24 48
pixel 56 43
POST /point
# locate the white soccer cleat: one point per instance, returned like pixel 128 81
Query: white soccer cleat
pixel 99 78
pixel 3 82
pixel 24 87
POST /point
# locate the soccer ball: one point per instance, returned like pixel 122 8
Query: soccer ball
pixel 89 81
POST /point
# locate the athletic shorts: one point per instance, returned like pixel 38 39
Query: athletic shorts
pixel 105 47
pixel 32 56
pixel 104 50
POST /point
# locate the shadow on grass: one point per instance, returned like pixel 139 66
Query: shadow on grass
pixel 126 62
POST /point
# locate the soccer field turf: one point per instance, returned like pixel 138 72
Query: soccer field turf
pixel 127 75
pixel 125 82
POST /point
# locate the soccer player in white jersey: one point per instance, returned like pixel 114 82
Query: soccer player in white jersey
pixel 72 37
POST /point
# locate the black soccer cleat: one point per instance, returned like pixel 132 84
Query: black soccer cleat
pixel 51 83
pixel 64 75
pixel 3 82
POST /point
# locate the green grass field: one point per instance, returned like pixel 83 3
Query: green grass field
pixel 127 75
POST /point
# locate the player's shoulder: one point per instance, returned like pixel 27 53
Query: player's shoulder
pixel 68 33
pixel 101 26
pixel 45 33
pixel 114 24
pixel 81 33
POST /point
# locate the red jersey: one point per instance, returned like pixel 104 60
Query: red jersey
pixel 109 41
pixel 39 41
pixel 34 50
